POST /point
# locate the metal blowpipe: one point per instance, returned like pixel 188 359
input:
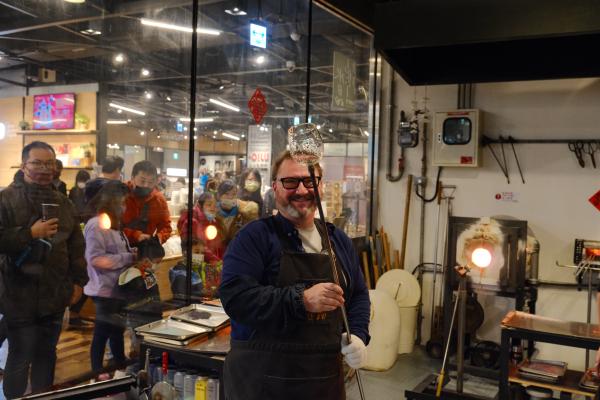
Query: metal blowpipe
pixel 306 147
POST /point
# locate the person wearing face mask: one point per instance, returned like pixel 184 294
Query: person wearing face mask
pixel 232 213
pixel 108 254
pixel 77 193
pixel 287 339
pixel 146 209
pixel 42 268
pixel 250 185
pixel 203 215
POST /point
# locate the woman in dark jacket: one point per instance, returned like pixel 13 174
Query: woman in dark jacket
pixel 250 185
pixel 77 193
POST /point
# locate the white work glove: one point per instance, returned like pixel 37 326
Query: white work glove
pixel 354 353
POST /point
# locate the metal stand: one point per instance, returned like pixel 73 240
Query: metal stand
pixel 334 265
pixel 587 265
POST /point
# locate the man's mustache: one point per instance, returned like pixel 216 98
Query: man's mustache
pixel 302 197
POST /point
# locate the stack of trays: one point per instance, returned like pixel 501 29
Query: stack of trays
pixel 185 325
pixel 203 315
pixel 543 370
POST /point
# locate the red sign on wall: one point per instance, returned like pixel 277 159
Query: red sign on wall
pixel 258 105
pixel 595 200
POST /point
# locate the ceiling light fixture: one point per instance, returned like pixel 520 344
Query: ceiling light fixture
pixel 179 28
pixel 148 95
pixel 168 98
pixel 128 109
pixel 243 135
pixel 75 1
pixel 230 136
pixel 142 133
pixel 116 122
pixel 236 11
pixel 260 60
pixel 91 32
pixel 119 58
pixel 119 111
pixel 224 105
pixel 184 119
pixel 366 133
pixel 145 72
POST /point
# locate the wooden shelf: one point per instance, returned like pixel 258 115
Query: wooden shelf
pixel 568 383
pixel 57 132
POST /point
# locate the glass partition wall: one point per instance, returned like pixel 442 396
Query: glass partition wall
pixel 124 69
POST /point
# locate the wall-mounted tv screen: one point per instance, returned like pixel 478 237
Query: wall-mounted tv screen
pixel 54 111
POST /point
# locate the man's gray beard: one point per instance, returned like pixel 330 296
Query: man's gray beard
pixel 294 213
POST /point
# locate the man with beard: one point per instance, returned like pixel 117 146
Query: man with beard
pixel 42 270
pixel 277 287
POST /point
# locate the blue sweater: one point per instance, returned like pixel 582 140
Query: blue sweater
pixel 250 270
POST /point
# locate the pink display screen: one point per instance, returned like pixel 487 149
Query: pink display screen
pixel 54 111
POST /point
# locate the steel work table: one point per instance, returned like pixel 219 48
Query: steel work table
pixel 531 327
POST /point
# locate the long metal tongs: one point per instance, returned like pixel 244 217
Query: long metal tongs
pixel 334 265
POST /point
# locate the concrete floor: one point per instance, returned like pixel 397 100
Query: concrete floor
pixel 409 370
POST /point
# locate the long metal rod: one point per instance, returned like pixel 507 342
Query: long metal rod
pixel 334 266
pixel 460 332
pixel 435 260
pixel 190 211
pixel 448 340
pixel 488 140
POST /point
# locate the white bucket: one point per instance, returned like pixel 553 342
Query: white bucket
pixel 408 322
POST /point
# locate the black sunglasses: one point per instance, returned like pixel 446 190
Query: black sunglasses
pixel 293 183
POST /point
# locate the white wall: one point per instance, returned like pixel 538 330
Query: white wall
pixel 553 200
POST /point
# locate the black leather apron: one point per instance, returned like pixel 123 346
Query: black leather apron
pixel 302 364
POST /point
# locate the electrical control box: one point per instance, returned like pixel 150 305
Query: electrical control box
pixel 456 136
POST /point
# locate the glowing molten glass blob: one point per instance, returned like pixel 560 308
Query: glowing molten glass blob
pixel 481 257
pixel 104 221
pixel 210 232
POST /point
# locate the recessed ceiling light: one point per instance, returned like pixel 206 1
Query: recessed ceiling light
pixel 148 95
pixel 185 119
pixel 185 137
pixel 164 25
pixel 195 137
pixel 128 109
pixel 224 104
pixel 119 111
pixel 91 32
pixel 260 59
pixel 238 12
pixel 243 135
pixel 330 130
pixel 145 72
pixel 168 98
pixel 142 133
pixel 119 58
pixel 318 126
pixel 230 136
pixel 158 136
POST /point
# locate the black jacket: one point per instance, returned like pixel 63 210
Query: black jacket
pixel 49 291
